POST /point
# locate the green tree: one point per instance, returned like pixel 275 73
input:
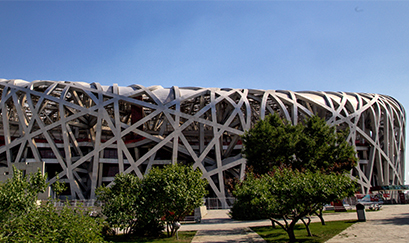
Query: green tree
pixel 271 142
pixel 164 195
pixel 252 199
pixel 18 194
pixel 303 151
pixel 322 147
pixel 311 145
pixel 291 195
pixel 124 203
pixel 176 190
pixel 58 187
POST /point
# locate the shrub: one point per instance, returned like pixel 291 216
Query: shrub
pixel 47 224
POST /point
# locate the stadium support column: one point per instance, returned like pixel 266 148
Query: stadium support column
pixel 201 129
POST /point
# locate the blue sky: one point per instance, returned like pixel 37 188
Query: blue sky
pixel 359 46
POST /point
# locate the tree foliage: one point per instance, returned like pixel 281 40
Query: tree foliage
pixel 48 224
pixel 252 198
pixel 312 145
pixel 124 203
pixel 269 143
pixel 18 194
pixel 22 219
pixel 290 195
pixel 58 187
pixel 164 195
pixel 322 147
pixel 298 168
pixel 175 190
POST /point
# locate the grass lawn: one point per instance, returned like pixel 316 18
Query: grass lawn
pixel 184 236
pixel 333 211
pixel 349 211
pixel 321 233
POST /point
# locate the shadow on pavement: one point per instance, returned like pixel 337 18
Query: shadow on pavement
pixel 216 221
pixel 220 232
pixel 402 219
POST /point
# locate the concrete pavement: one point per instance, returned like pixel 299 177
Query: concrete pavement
pixel 391 224
pixel 217 226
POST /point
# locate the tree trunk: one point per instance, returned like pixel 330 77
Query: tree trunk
pixel 172 229
pixel 290 232
pixel 273 224
pixel 289 228
pixel 307 225
pixel 320 216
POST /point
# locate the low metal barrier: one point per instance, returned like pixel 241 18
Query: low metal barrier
pixel 215 203
pixel 79 203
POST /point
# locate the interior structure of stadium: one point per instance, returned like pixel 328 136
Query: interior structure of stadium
pixel 87 133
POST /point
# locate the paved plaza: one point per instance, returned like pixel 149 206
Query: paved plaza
pixel 390 224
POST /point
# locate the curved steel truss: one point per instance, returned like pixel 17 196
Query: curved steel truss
pixel 87 133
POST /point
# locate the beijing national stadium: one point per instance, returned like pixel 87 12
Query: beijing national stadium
pixel 87 133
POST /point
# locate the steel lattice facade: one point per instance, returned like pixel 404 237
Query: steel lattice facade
pixel 87 133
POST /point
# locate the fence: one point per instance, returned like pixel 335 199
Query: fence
pixel 79 203
pixel 210 202
pixel 215 203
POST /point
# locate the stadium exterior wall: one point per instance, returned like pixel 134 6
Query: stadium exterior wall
pixel 87 133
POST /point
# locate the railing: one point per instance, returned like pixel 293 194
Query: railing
pixel 215 203
pixel 85 203
pixel 210 202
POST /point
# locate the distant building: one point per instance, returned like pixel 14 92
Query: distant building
pixel 87 133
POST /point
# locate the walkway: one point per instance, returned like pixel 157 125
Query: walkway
pixel 217 226
pixel 391 224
